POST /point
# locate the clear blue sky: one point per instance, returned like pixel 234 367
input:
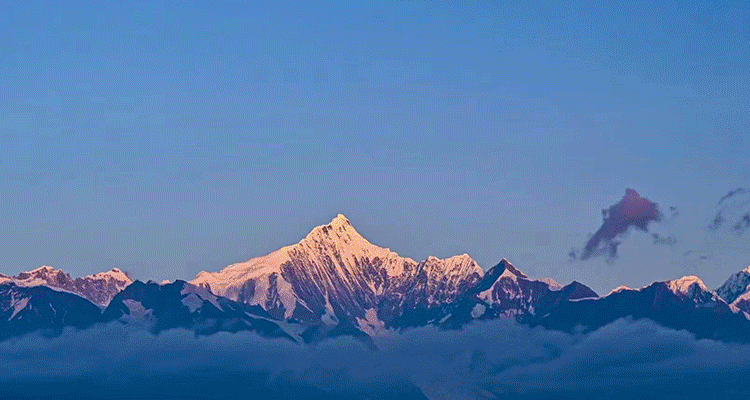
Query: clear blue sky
pixel 166 139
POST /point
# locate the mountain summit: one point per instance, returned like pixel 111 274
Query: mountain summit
pixel 334 274
pixel 98 288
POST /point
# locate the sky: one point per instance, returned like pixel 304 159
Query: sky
pixel 167 139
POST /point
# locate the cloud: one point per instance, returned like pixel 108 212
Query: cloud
pixel 635 358
pixel 732 193
pixel 667 240
pixel 733 212
pixel 118 362
pixel 631 211
pixel 485 360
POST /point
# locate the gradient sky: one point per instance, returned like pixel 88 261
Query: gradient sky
pixel 167 139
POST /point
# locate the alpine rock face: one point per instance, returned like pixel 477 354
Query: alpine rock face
pixel 158 307
pixel 736 291
pixel 735 286
pixel 335 275
pixel 28 309
pixel 98 288
pixel 507 292
pixel 693 289
pixel 685 303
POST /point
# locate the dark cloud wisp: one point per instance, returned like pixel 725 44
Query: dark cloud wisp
pixel 732 212
pixel 631 211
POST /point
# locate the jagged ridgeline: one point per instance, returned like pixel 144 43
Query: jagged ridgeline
pixel 334 282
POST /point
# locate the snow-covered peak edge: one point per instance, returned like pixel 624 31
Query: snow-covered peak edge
pixel 461 264
pixel 553 284
pixel 687 285
pixel 334 252
pixel 681 286
pixel 735 286
pixel 622 288
pixel 339 234
pixel 98 288
pixel 193 296
pixel 115 273
pixel 338 229
pixel 43 268
pixel 510 272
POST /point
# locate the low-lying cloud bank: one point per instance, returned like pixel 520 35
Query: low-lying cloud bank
pixel 485 360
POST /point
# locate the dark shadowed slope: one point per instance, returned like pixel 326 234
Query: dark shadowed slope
pixel 28 309
pixel 182 305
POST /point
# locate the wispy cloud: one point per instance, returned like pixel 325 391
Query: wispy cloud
pixel 631 211
pixel 733 212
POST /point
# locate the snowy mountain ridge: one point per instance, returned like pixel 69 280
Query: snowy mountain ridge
pixel 98 288
pixel 336 271
pixel 334 282
pixel 735 286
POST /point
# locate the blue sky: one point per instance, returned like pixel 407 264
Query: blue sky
pixel 167 139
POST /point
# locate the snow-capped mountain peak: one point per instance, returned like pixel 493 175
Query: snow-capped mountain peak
pixel 736 290
pixel 332 261
pixel 687 285
pixel 456 266
pixel 691 287
pixel 735 286
pixel 43 269
pixel 507 292
pixel 98 288
pixel 40 276
pixel 334 270
pixel 339 229
pixel 619 289
pixel 114 273
pixel 511 271
pixel 341 239
pixel 553 284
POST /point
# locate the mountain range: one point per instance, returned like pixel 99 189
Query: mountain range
pixel 334 282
